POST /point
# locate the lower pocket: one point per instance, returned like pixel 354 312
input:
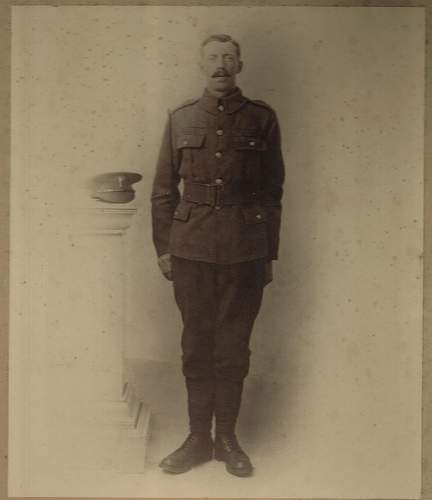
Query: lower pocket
pixel 254 215
pixel 182 211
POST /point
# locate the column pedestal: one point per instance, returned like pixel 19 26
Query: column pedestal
pixel 118 419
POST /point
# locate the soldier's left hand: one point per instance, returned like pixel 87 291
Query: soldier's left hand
pixel 268 272
pixel 165 266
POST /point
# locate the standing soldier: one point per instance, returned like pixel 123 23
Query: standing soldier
pixel 217 242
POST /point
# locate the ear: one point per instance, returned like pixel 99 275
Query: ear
pixel 240 67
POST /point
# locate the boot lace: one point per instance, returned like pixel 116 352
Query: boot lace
pixel 231 445
pixel 190 443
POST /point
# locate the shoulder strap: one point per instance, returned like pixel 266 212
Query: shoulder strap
pixel 260 103
pixel 189 102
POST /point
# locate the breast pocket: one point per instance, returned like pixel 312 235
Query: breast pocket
pixel 191 149
pixel 190 141
pixel 250 144
pixel 249 151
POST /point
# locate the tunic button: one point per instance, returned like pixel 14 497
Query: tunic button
pixel 258 216
pixel 218 154
pixel 252 143
pixel 221 107
pixel 185 142
pixel 217 207
pixel 219 132
pixel 219 181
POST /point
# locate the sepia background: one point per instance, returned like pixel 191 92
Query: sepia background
pixel 332 404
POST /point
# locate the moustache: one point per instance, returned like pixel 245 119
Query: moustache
pixel 220 73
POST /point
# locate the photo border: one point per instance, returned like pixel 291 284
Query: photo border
pixel 5 150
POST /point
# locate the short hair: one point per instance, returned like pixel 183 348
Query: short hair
pixel 222 38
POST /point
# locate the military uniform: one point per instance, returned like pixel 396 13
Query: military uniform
pixel 227 151
pixel 220 231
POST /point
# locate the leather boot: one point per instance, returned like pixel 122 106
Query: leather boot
pixel 196 449
pixel 227 448
pixel 198 446
pixel 201 397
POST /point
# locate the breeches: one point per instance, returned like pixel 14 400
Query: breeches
pixel 218 304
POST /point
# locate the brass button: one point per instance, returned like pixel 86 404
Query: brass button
pixel 258 216
pixel 221 107
pixel 217 207
pixel 252 143
pixel 219 132
pixel 185 142
pixel 219 181
pixel 218 154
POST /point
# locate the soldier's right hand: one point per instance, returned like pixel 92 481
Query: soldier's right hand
pixel 165 266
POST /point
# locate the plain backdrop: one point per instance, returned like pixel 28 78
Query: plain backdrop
pixel 339 333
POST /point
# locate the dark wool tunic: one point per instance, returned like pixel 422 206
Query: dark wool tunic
pixel 227 152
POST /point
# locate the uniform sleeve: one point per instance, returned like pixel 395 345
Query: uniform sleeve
pixel 165 193
pixel 274 176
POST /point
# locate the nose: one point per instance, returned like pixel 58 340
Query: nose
pixel 220 62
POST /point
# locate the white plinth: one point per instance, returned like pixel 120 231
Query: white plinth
pixel 100 268
pixel 69 410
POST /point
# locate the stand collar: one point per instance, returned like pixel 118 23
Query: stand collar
pixel 230 103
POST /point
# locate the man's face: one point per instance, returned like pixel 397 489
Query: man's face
pixel 220 65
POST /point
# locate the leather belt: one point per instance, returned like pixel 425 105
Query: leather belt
pixel 217 194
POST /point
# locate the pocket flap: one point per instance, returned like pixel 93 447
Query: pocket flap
pixel 182 211
pixel 250 143
pixel 190 141
pixel 254 215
